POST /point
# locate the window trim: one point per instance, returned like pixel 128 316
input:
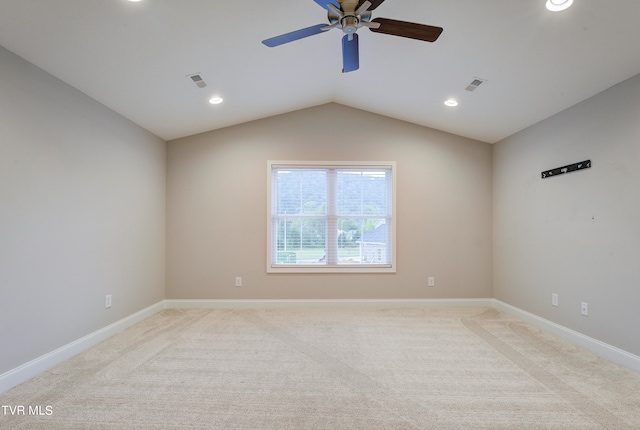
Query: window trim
pixel 364 268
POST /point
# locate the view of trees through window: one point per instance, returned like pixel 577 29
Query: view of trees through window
pixel 331 216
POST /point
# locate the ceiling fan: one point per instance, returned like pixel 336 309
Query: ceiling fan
pixel 349 15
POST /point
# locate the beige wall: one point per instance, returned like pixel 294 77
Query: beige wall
pixel 82 214
pixel 216 218
pixel 576 235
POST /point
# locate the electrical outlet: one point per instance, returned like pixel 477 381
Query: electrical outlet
pixel 431 281
pixel 107 302
pixel 238 281
pixel 585 309
pixel 554 299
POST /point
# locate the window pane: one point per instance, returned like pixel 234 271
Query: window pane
pixel 362 241
pixel 300 241
pixel 301 191
pixel 362 192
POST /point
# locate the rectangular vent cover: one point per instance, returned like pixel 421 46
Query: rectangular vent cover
pixel 475 84
pixel 197 79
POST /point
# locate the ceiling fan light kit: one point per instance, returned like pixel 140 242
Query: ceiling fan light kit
pixel 349 16
pixel 558 5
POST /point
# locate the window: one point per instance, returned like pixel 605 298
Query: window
pixel 331 217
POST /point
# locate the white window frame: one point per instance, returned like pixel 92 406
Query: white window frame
pixel 327 268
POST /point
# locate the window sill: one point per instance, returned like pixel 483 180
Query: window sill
pixel 373 268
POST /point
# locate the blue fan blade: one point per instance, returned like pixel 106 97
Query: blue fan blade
pixel 294 35
pixel 350 60
pixel 324 3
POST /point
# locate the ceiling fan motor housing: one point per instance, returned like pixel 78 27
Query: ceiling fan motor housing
pixel 350 24
pixel 347 16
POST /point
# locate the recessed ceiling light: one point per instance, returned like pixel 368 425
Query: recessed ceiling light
pixel 558 5
pixel 133 1
pixel 451 103
pixel 215 100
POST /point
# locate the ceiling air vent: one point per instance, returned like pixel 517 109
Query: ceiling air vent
pixel 475 84
pixel 197 79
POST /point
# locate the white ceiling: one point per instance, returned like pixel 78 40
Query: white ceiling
pixel 135 58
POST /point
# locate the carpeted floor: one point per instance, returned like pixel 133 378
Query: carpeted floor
pixel 369 369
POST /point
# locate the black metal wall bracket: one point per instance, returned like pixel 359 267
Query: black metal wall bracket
pixel 566 169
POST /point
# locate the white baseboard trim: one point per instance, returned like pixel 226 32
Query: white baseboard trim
pixel 45 362
pixel 326 303
pixel 602 349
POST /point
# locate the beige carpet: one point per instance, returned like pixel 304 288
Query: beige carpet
pixel 330 369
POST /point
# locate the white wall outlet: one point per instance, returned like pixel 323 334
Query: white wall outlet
pixel 431 281
pixel 585 309
pixel 554 299
pixel 107 301
pixel 238 281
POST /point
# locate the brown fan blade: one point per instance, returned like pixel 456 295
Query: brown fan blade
pixel 411 30
pixel 374 3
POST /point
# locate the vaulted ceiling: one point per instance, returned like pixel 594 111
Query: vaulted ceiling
pixel 136 58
